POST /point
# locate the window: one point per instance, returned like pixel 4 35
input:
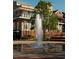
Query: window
pixel 24 14
pixel 25 26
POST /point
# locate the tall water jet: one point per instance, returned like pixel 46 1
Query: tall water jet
pixel 39 31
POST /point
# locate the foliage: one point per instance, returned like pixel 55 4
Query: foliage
pixel 53 22
pixel 43 7
pixel 50 21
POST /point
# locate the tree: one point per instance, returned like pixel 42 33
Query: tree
pixel 53 22
pixel 44 8
pixel 50 21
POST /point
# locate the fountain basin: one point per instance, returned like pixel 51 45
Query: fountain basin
pixel 40 56
pixel 28 52
pixel 61 57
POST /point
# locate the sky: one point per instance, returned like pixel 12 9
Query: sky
pixel 57 4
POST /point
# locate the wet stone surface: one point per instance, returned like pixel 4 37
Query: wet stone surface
pixel 25 52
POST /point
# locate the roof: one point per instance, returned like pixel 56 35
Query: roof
pixel 21 6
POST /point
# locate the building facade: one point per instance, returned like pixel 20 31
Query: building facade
pixel 22 19
pixel 61 20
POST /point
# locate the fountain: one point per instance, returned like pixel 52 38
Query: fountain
pixel 39 31
pixel 39 50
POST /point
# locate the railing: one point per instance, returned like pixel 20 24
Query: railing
pixel 52 34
